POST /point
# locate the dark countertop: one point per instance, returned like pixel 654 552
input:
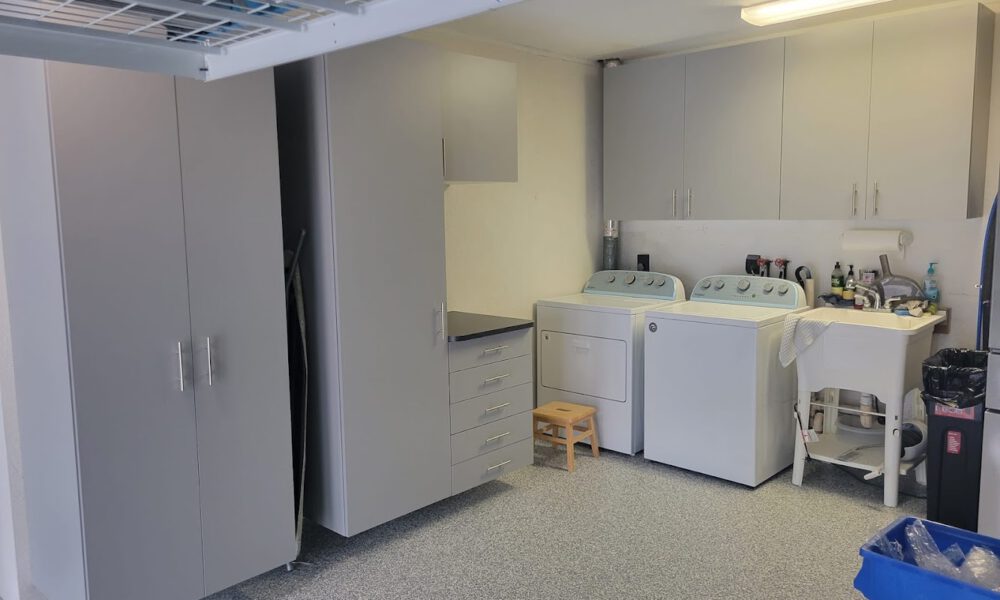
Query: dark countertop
pixel 464 326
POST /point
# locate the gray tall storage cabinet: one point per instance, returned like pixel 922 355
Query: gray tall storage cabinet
pixel 360 135
pixel 168 218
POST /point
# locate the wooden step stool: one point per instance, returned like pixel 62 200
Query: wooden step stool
pixel 556 415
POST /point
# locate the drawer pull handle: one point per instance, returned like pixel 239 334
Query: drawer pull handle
pixel 497 407
pixel 496 379
pixel 495 467
pixel 495 350
pixel 497 437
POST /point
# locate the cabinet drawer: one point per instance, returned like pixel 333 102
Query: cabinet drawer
pixel 479 470
pixel 487 438
pixel 487 379
pixel 483 351
pixel 491 407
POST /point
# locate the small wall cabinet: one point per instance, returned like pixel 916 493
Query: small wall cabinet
pixel 644 140
pixel 732 137
pixel 929 114
pixel 824 158
pixel 479 100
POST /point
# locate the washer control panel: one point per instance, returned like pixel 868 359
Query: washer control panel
pixel 642 284
pixel 750 290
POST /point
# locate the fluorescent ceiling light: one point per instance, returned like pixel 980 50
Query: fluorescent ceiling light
pixel 780 11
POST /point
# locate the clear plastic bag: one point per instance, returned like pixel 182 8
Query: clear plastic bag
pixel 926 553
pixel 890 548
pixel 982 568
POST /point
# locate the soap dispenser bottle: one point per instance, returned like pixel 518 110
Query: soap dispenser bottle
pixel 931 290
pixel 837 281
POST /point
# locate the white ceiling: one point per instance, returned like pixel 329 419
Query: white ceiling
pixel 593 29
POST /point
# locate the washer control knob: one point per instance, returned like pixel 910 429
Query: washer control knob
pixel 743 285
pixel 706 284
pixel 720 284
pixel 782 289
pixel 649 280
pixel 660 282
pixel 630 279
pixel 611 278
pixel 768 288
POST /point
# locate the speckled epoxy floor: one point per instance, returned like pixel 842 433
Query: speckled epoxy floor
pixel 619 527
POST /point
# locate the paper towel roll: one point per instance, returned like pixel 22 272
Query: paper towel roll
pixel 876 241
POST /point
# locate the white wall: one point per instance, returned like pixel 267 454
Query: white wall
pixel 509 244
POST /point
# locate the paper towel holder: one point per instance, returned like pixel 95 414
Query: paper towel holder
pixel 877 241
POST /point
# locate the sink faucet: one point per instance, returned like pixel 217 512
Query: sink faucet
pixel 872 293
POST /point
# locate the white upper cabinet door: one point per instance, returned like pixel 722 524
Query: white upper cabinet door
pixel 930 91
pixel 732 140
pixel 480 118
pixel 644 140
pixel 824 147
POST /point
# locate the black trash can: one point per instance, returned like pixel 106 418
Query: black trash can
pixel 954 394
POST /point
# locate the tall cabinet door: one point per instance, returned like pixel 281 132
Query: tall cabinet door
pixel 385 135
pixel 122 222
pixel 644 139
pixel 732 141
pixel 824 149
pixel 923 93
pixel 232 210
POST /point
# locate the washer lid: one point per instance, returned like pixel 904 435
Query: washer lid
pixel 602 303
pixel 737 315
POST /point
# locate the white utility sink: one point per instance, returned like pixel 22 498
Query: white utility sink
pixel 879 320
pixel 878 353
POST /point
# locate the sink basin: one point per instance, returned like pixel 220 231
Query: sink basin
pixel 880 320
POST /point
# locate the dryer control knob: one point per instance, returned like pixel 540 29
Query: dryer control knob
pixel 660 282
pixel 611 278
pixel 768 288
pixel 649 280
pixel 743 285
pixel 630 279
pixel 782 289
pixel 720 284
pixel 706 284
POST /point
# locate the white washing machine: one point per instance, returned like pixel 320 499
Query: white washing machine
pixel 718 400
pixel 590 349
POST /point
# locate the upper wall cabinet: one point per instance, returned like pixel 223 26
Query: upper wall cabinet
pixel 929 113
pixel 732 139
pixel 480 119
pixel 824 148
pixel 644 140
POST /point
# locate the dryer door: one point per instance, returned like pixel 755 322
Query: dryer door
pixel 591 366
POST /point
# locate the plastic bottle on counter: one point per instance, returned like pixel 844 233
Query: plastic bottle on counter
pixel 931 289
pixel 850 284
pixel 837 281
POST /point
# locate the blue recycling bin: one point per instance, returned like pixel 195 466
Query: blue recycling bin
pixel 884 578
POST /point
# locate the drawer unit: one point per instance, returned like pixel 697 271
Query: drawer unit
pixel 491 407
pixel 487 467
pixel 491 349
pixel 490 378
pixel 487 438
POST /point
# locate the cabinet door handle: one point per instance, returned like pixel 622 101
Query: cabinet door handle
pixel 875 200
pixel 495 349
pixel 490 440
pixel 690 194
pixel 490 380
pixel 673 211
pixel 497 466
pixel 854 201
pixel 180 363
pixel 497 407
pixel 442 326
pixel 208 359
